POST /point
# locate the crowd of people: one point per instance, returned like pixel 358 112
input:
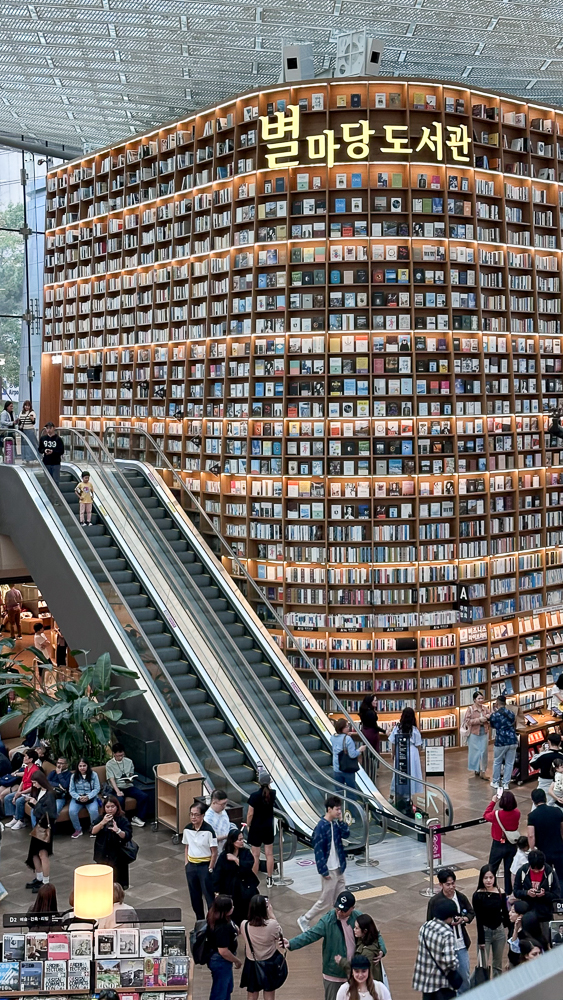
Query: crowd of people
pixel 510 908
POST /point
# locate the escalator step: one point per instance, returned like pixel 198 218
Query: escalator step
pixel 155 627
pixel 233 628
pixel 197 696
pixel 300 727
pixel 227 617
pixel 195 569
pixel 177 668
pixel 145 615
pixel 185 682
pixel 211 727
pixel 100 541
pixel 292 713
pixel 272 684
pixel 172 653
pixel 262 669
pixel 139 601
pixel 163 641
pixel 113 565
pixel 222 743
pixel 132 590
pixel 244 641
pixel 218 604
pixel 282 697
pixel 256 656
pixel 122 576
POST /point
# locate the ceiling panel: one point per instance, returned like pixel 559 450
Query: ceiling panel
pixel 92 71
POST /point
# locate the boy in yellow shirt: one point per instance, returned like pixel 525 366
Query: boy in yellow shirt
pixel 85 493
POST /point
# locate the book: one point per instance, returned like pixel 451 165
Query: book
pixel 58 945
pixel 108 974
pixel 31 976
pixel 10 976
pixel 150 942
pixel 132 972
pixel 13 947
pixel 154 972
pixel 177 970
pixel 54 976
pixel 106 943
pixel 78 974
pixel 36 946
pixel 81 944
pixel 173 940
pixel 128 942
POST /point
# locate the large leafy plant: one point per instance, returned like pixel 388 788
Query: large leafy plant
pixel 76 717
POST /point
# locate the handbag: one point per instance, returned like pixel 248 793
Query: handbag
pixel 452 975
pixel 481 972
pixel 42 833
pixel 272 972
pixel 130 849
pixel 347 764
pixel 509 835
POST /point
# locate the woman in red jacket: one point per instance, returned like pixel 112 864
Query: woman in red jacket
pixel 504 816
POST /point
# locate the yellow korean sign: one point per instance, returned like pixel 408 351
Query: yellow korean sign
pixel 281 133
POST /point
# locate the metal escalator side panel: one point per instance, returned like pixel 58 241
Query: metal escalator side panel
pixel 83 608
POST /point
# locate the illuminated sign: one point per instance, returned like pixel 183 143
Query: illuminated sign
pixel 282 135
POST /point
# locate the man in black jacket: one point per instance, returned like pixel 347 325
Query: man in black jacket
pixel 52 448
pixel 538 885
pixel 446 878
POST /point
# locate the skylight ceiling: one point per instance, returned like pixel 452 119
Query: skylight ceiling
pixel 86 72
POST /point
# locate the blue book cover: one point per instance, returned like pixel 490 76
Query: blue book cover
pixel 259 389
pixel 31 976
pixel 356 180
pixel 335 277
pixel 340 204
pixel 437 204
pixel 395 467
pixel 262 278
pixel 9 976
pixel 406 447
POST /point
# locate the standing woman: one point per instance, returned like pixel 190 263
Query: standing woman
pixel 504 817
pixel 491 914
pixel 342 743
pixel 112 831
pixel 261 935
pixel 222 940
pixel 26 424
pixel 44 805
pixel 370 726
pixel 476 725
pixel 406 727
pixel 7 422
pixel 233 875
pixel 260 821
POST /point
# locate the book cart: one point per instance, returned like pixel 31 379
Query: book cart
pixel 146 960
pixel 175 793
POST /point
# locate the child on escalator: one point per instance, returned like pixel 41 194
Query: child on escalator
pixel 85 493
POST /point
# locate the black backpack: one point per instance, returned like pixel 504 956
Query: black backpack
pixel 199 945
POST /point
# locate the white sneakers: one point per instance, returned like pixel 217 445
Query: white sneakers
pixel 18 824
pixel 303 923
pixel 135 821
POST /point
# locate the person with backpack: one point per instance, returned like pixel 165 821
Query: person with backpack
pixel 330 859
pixel 504 816
pixel 221 943
pixel 537 884
pixel 345 754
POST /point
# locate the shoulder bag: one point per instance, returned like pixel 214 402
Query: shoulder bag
pixel 272 972
pixel 347 764
pixel 452 975
pixel 42 833
pixel 509 835
pixel 482 971
pixel 130 849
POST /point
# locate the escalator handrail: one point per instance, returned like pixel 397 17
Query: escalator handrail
pixel 290 767
pixel 442 793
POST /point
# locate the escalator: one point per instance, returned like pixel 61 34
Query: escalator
pixel 230 712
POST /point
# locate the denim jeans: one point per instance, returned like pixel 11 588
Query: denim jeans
pixel 61 803
pixel 54 472
pixel 495 941
pixel 503 764
pixel 464 968
pixel 17 810
pixel 140 796
pixel 75 807
pixel 222 975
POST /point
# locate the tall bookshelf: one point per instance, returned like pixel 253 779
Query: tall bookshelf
pixel 351 360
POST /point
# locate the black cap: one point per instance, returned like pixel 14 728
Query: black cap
pixel 360 962
pixel 345 901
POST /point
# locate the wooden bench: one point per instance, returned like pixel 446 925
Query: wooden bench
pixel 64 816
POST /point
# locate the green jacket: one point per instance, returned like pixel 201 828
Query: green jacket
pixel 372 951
pixel 334 943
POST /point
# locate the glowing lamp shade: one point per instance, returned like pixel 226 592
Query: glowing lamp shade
pixel 93 891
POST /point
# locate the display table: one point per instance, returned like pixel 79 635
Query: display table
pixel 531 738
